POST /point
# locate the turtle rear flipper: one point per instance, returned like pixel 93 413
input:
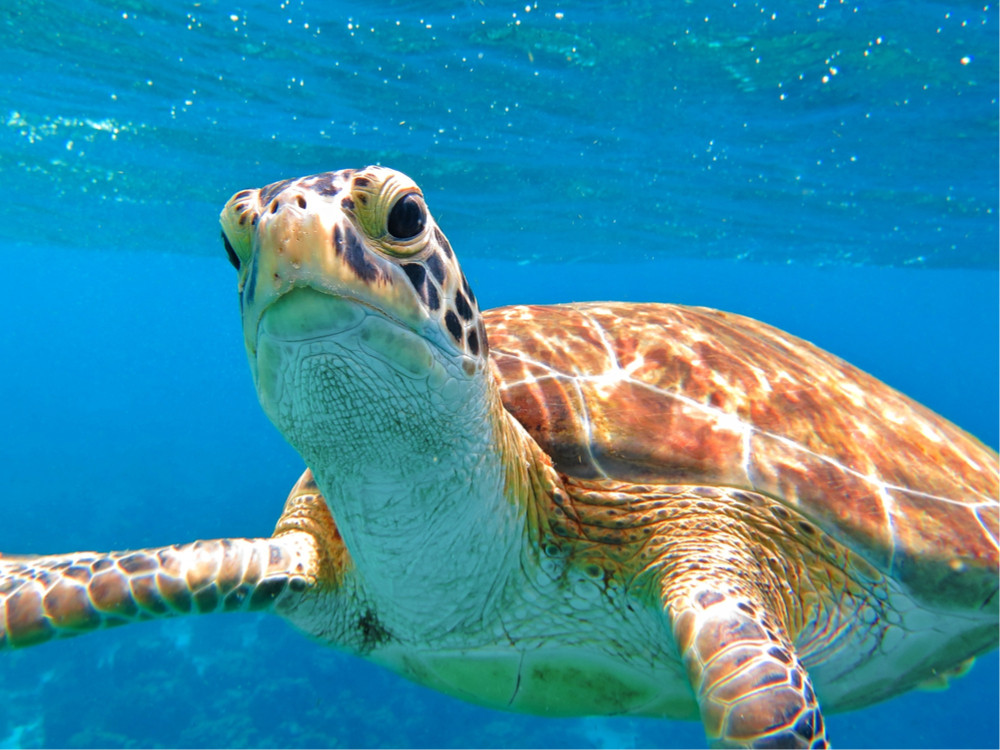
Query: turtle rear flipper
pixel 58 596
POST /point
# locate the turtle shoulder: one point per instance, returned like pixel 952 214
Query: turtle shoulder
pixel 671 394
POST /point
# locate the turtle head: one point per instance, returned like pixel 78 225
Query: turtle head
pixel 363 335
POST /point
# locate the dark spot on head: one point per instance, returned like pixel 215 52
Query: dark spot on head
pixel 326 184
pixel 416 274
pixel 418 279
pixel 363 199
pixel 301 201
pixel 349 246
pixel 347 203
pixel 271 191
pixel 454 327
pixel 747 608
pixel 239 207
pixel 472 341
pixel 807 528
pixel 233 257
pixel 463 306
pixel 436 267
pixel 274 206
pixel 443 242
pixel 362 182
pixel 468 289
pixel 433 298
pixel 253 219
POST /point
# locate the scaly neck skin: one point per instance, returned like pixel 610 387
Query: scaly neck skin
pixel 434 545
pixel 418 475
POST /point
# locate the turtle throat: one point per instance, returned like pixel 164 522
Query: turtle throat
pixel 405 443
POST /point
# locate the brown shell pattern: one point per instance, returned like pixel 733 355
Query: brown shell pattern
pixel 669 394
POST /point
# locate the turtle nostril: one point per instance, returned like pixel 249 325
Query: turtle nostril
pixel 233 258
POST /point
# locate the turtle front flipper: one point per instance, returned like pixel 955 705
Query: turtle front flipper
pixel 735 616
pixel 58 596
pixel 752 690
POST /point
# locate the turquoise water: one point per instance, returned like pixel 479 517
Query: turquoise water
pixel 831 169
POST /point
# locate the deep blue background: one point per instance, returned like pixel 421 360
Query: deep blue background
pixel 688 153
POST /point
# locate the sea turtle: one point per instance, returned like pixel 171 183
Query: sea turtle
pixel 597 508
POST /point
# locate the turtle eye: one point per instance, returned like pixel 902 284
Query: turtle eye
pixel 233 258
pixel 406 218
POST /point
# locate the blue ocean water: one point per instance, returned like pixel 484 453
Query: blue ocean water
pixel 830 169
